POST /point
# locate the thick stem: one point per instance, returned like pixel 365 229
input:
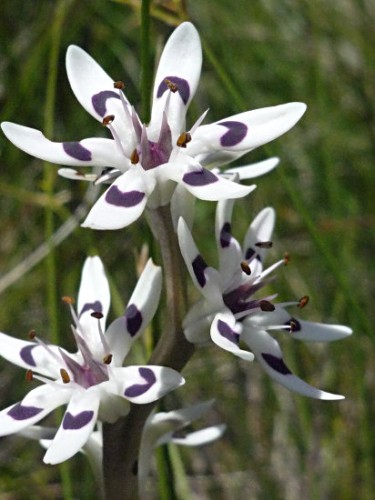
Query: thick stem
pixel 121 440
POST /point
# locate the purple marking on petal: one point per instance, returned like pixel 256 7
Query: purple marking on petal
pixel 199 265
pixel 20 412
pixel 127 199
pixel 250 252
pixel 138 389
pixel 133 317
pixel 294 324
pixel 276 363
pixel 99 101
pixel 92 306
pixel 182 87
pixel 77 151
pixel 225 235
pixel 26 354
pixel 75 422
pixel 236 133
pixel 226 331
pixel 200 178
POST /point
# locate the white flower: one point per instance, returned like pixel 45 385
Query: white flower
pixel 92 381
pixel 230 312
pixel 146 161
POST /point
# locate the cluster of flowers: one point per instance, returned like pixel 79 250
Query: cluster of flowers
pixel 154 165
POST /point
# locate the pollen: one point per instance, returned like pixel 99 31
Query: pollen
pixel 183 140
pixel 134 157
pixel 107 120
pixel 107 360
pixel 172 86
pixel 293 325
pixel 32 334
pixel 266 306
pixel 264 244
pixel 97 315
pixel 68 300
pixel 286 258
pixel 119 85
pixel 64 376
pixel 303 301
pixel 245 267
pixel 29 376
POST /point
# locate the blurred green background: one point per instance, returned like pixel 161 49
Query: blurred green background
pixel 278 445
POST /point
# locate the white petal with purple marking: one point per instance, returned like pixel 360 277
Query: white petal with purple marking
pixel 260 230
pixel 254 169
pixel 225 332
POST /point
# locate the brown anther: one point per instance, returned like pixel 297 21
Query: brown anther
pixel 293 325
pixel 264 244
pixel 97 315
pixel 286 258
pixel 172 86
pixel 266 306
pixel 183 140
pixel 303 301
pixel 32 334
pixel 68 300
pixel 64 375
pixel 245 267
pixel 119 85
pixel 29 376
pixel 107 360
pixel 107 120
pixel 134 157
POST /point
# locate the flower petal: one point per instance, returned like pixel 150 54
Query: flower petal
pixel 201 437
pixel 260 231
pixel 180 63
pixel 93 151
pixel 246 131
pixel 122 203
pixel 268 353
pixel 225 332
pixel 254 169
pixel 78 423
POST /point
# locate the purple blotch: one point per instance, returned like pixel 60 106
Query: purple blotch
pixel 20 412
pixel 74 422
pixel 133 319
pixel 236 133
pixel 276 363
pixel 128 199
pixel 225 235
pixel 138 389
pixel 77 151
pixel 182 87
pixel 26 354
pixel 249 254
pixel 199 265
pixel 200 178
pixel 92 306
pixel 99 101
pixel 226 331
pixel 294 324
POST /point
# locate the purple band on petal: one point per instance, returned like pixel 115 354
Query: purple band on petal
pixel 133 317
pixel 226 331
pixel 182 87
pixel 199 265
pixel 74 422
pixel 250 252
pixel 26 354
pixel 200 178
pixel 225 235
pixel 20 412
pixel 92 306
pixel 99 101
pixel 236 133
pixel 77 151
pixel 128 199
pixel 138 389
pixel 294 324
pixel 276 363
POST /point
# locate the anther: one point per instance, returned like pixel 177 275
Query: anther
pixel 29 376
pixel 119 85
pixel 64 375
pixel 266 306
pixel 68 300
pixel 32 334
pixel 107 360
pixel 245 267
pixel 97 315
pixel 286 258
pixel 134 157
pixel 293 325
pixel 184 139
pixel 303 301
pixel 107 120
pixel 264 244
pixel 172 86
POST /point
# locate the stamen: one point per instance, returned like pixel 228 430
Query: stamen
pixel 97 315
pixel 107 120
pixel 32 334
pixel 29 375
pixel 266 306
pixel 134 157
pixel 64 375
pixel 172 86
pixel 245 267
pixel 68 300
pixel 184 139
pixel 119 85
pixel 303 301
pixel 264 244
pixel 107 360
pixel 286 258
pixel 293 326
